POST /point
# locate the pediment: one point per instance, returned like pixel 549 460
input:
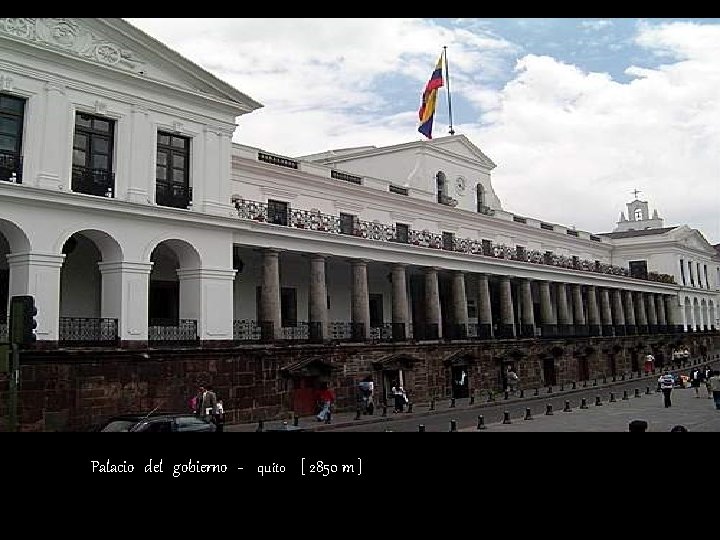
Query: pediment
pixel 116 44
pixel 461 146
pixel 693 239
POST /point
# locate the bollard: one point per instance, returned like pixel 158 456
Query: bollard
pixel 625 395
pixel 583 404
pixel 491 396
pixel 612 397
pixel 507 394
pixel 410 406
pixel 548 409
pixel 432 404
pixel 562 387
pixel 637 392
pixel 584 384
pixel 481 422
pixel 647 390
pixel 421 427
pixel 549 389
pixel 260 426
pixel 384 413
pixel 528 414
pixel 472 398
pixel 522 393
pixel 453 425
pixel 506 418
pixel 452 403
pixel 595 382
pixel 632 374
pixel 574 386
pixel 537 392
pixel 567 407
pixel 623 377
pixel 598 401
pixel 604 379
pixel 614 378
pixel 358 412
pixel 296 420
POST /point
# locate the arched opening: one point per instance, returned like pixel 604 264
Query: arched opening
pixel 711 316
pixel 704 314
pixel 688 315
pixel 174 292
pixel 458 374
pixel 12 240
pixel 441 186
pixel 697 315
pixel 83 317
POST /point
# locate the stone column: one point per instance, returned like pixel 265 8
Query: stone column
pixel 674 320
pixel 506 328
pixel 527 314
pixel 433 315
pixel 400 307
pixel 565 323
pixel 651 313
pixel 54 153
pixel 578 312
pixel 38 275
pixel 360 300
pixel 460 312
pixel 484 307
pixel 630 324
pixel 593 312
pixel 317 301
pixel 547 316
pixel 206 296
pixel 640 313
pixel 618 313
pixel 661 319
pixel 606 313
pixel 125 289
pixel 270 317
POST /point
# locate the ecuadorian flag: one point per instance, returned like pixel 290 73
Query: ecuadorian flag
pixel 429 98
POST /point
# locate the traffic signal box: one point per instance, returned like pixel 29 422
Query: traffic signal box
pixel 22 320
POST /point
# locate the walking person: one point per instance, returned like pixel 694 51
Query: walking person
pixel 400 397
pixel 697 377
pixel 208 404
pixel 512 380
pixel 219 417
pixel 708 374
pixel 327 399
pixel 715 387
pixel 666 385
pixel 649 363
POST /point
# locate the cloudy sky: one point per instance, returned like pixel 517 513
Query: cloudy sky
pixel 576 113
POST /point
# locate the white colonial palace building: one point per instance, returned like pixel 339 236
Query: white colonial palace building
pixel 130 215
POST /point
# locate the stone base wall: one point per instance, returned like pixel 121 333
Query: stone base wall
pixel 69 390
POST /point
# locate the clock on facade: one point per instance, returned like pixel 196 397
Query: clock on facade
pixel 460 185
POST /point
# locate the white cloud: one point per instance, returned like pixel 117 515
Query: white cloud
pixel 598 24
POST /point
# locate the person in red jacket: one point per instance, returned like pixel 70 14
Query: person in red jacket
pixel 327 399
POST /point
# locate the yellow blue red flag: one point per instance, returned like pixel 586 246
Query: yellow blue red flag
pixel 429 98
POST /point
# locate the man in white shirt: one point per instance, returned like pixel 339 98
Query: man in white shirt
pixel 667 382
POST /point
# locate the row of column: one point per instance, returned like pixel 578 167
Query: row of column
pixel 631 312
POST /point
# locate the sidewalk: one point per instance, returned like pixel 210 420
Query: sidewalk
pixel 345 419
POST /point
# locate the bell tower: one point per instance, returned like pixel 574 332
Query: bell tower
pixel 638 216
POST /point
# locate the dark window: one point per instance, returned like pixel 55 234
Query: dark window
pixel 376 310
pixel 448 241
pixel 346 177
pixel 398 190
pixel 576 261
pixel 690 273
pixel 518 219
pixel 571 232
pixel 520 253
pixel 12 111
pixel 480 198
pixel 172 171
pixel 595 238
pixel 707 282
pixel 441 183
pixel 347 223
pixel 548 257
pixel 92 156
pixel 682 271
pixel 699 275
pixel 486 247
pixel 472 309
pixel 401 232
pixel 278 212
pixel 547 227
pixel 288 307
pixel 638 269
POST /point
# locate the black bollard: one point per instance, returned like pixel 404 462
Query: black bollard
pixel 625 395
pixel 432 404
pixel 574 386
pixel 604 379
pixel 421 427
pixel 637 392
pixel 583 404
pixel 632 374
pixel 567 407
pixel 260 427
pixel 452 403
pixel 537 392
pixel 614 378
pixel 562 387
pixel 612 397
pixel 548 409
pixel 296 420
pixel 522 393
pixel 481 422
pixel 584 384
pixel 623 377
pixel 598 401
pixel 507 394
pixel 453 425
pixel 358 412
pixel 549 389
pixel 472 398
pixel 595 382
pixel 528 414
pixel 410 406
pixel 657 388
pixel 384 413
pixel 506 418
pixel 647 390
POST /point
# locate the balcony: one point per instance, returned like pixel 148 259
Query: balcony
pixel 81 331
pixel 172 195
pixel 98 182
pixel 172 332
pixel 11 167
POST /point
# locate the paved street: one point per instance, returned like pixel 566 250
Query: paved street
pixel 697 414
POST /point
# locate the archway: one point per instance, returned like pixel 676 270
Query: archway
pixel 697 315
pixel 458 374
pixel 704 314
pixel 688 315
pixel 711 315
pixel 12 240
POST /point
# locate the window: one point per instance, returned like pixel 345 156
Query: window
pixel 164 426
pixel 707 282
pixel 398 190
pixel 172 171
pixel 376 310
pixel 690 273
pixel 518 219
pixel 338 175
pixel 520 253
pixel 480 195
pixel 472 308
pixel 92 156
pixel 571 232
pixel 441 183
pixel 278 212
pixel 12 111
pixel 288 307
pixel 682 271
pixel 486 247
pixel 638 269
pixel 347 224
pixel 448 241
pixel 638 214
pixel 547 227
pixel 401 232
pixel 191 423
pixel 699 276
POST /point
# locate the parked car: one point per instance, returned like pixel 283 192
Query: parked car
pixel 157 422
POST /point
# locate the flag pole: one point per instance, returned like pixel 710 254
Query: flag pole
pixel 447 78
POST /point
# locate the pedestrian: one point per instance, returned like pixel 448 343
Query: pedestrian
pixel 365 395
pixel 327 399
pixel 697 377
pixel 220 416
pixel 679 428
pixel 708 374
pixel 197 401
pixel 208 404
pixel 666 385
pixel 638 426
pixel 715 387
pixel 649 363
pixel 513 380
pixel 399 396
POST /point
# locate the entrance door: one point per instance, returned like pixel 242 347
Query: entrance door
pixel 376 310
pixel 583 369
pixel 549 374
pixel 390 378
pixel 305 391
pixel 634 363
pixel 613 366
pixel 460 382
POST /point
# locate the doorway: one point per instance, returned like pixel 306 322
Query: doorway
pixel 459 381
pixel 549 373
pixel 583 369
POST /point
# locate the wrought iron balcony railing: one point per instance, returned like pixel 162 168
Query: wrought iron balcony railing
pixel 88 331
pixel 10 167
pixel 172 195
pixel 3 332
pixel 316 220
pixel 99 182
pixel 172 332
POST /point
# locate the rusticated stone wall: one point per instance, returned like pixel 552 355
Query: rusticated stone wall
pixel 69 390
